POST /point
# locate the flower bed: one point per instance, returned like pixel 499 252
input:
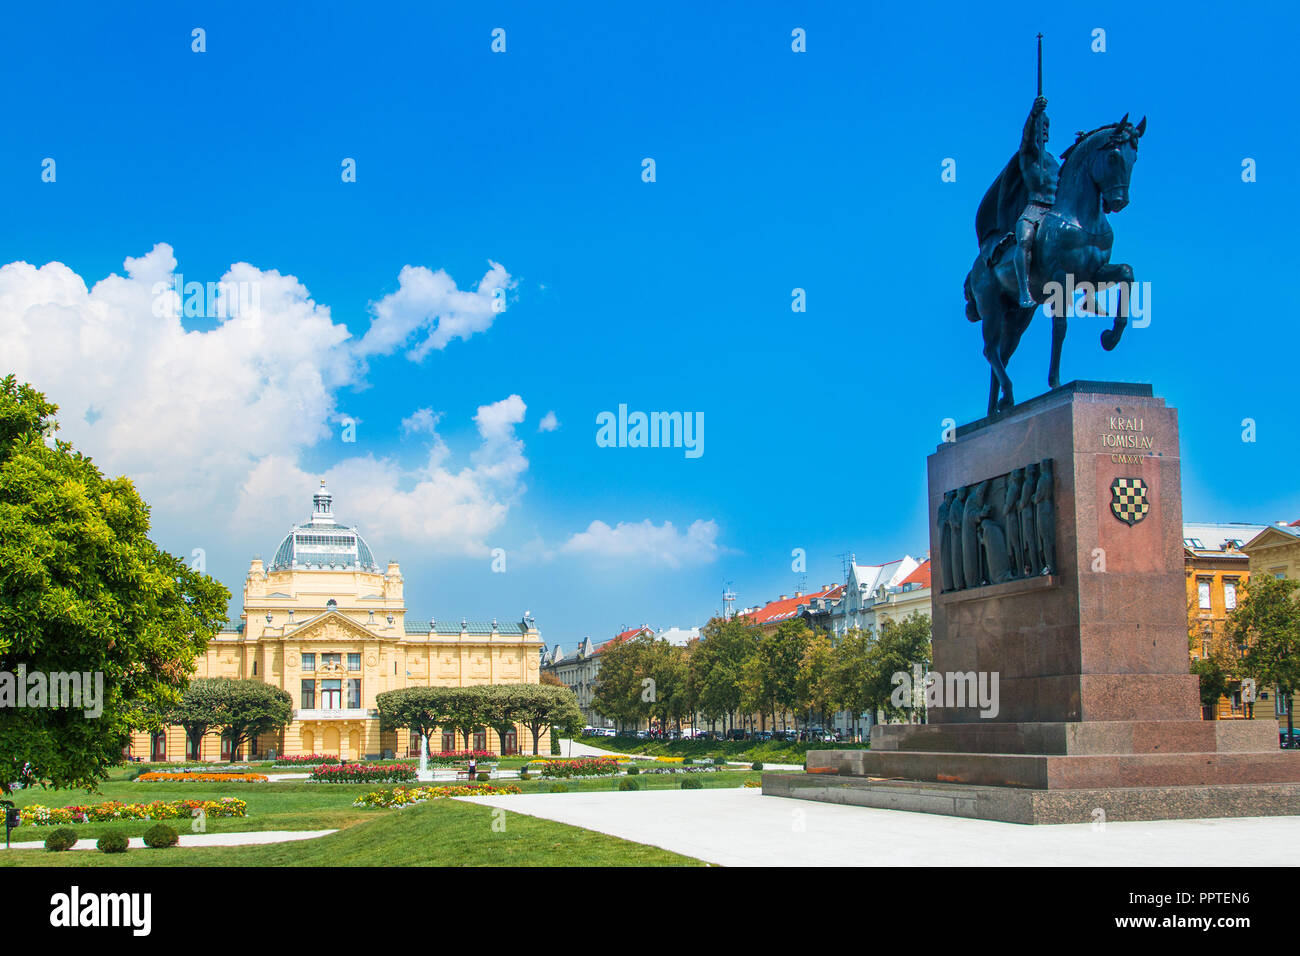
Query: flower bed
pixel 587 767
pixel 38 816
pixel 300 759
pixel 461 754
pixel 405 796
pixel 680 770
pixel 364 773
pixel 189 775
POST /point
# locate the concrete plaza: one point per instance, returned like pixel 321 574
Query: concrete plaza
pixel 742 827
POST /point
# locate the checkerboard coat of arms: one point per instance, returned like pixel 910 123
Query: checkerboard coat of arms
pixel 1128 500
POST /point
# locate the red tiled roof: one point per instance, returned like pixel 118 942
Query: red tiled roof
pixel 920 576
pixel 784 610
pixel 625 636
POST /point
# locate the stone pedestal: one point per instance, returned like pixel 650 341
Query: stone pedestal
pixel 1089 644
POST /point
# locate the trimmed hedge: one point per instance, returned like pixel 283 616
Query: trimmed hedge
pixel 64 838
pixel 160 835
pixel 627 784
pixel 692 783
pixel 112 842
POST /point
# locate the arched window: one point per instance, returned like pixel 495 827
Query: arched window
pixel 480 739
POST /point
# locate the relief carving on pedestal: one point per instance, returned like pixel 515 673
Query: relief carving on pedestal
pixel 999 529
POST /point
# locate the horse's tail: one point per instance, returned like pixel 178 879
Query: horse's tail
pixel 972 313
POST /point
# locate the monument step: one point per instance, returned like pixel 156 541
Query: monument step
pixel 1081 737
pixel 1061 772
pixel 1031 806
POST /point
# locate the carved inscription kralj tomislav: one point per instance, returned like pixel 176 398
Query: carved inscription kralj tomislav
pixel 998 529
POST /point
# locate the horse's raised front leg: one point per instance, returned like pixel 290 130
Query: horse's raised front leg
pixel 1117 272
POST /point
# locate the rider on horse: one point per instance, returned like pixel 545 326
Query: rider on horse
pixel 1040 171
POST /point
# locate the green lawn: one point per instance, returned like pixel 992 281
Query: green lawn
pixel 769 751
pixel 437 833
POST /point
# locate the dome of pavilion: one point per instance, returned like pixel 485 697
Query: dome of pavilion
pixel 322 544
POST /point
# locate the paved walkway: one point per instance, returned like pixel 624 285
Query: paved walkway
pixel 200 839
pixel 742 827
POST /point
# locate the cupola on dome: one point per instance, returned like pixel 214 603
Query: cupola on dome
pixel 322 544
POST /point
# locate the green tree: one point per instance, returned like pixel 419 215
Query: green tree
pixel 419 709
pixel 502 706
pixel 243 710
pixel 901 645
pixel 814 681
pixel 555 707
pixel 465 709
pixel 851 676
pixel 84 590
pixel 1266 622
pixel 717 665
pixel 768 678
pixel 621 693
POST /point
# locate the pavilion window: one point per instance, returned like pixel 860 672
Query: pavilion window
pixel 330 693
pixel 354 692
pixel 354 662
pixel 309 662
pixel 308 695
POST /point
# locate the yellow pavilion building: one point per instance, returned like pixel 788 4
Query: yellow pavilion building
pixel 324 623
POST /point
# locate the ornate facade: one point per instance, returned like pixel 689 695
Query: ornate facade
pixel 324 623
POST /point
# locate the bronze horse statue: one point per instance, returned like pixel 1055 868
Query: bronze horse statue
pixel 1074 240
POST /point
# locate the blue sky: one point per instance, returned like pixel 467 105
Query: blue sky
pixel 775 170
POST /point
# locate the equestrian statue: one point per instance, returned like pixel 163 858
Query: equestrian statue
pixel 1042 226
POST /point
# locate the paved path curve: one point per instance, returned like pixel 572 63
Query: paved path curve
pixel 246 838
pixel 742 827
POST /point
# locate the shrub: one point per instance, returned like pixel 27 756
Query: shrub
pixel 559 788
pixel 692 783
pixel 719 761
pixel 64 838
pixel 687 761
pixel 756 765
pixel 484 776
pixel 160 836
pixel 633 770
pixel 112 842
pixel 525 775
pixel 626 784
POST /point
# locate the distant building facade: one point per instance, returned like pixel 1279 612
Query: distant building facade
pixel 326 624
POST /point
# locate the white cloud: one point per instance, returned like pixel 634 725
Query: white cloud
pixel 662 544
pixel 428 304
pixel 421 421
pixel 215 421
pixel 549 423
